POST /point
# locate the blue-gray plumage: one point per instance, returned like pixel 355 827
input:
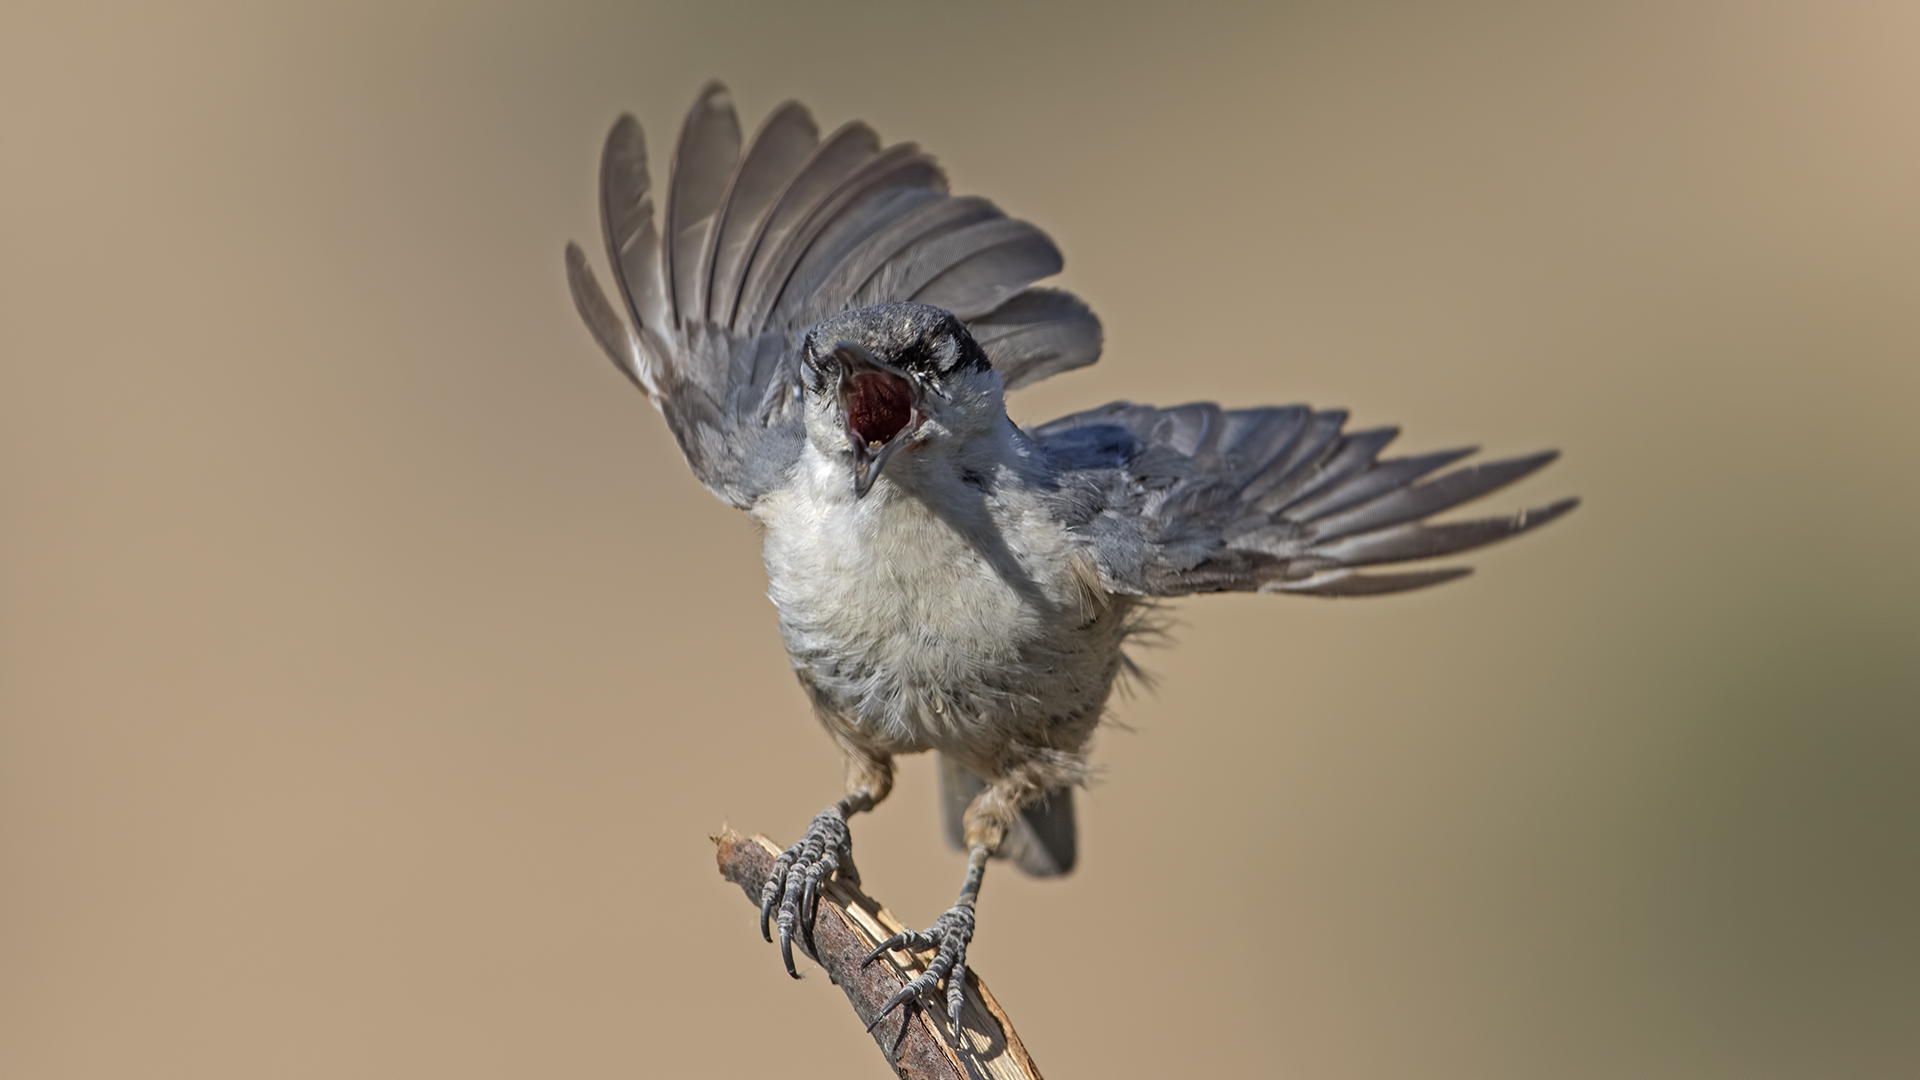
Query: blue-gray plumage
pixel 830 336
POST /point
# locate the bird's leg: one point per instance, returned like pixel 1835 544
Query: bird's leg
pixel 952 932
pixel 988 818
pixel 791 895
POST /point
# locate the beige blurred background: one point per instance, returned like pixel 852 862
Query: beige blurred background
pixel 372 672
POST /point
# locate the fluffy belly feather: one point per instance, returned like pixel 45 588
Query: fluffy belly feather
pixel 920 629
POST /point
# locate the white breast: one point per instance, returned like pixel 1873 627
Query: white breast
pixel 924 617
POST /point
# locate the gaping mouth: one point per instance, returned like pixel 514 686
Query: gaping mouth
pixel 880 408
pixel 879 404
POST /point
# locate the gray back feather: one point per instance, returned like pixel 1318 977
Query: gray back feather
pixel 761 245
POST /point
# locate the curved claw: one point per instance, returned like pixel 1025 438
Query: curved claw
pixel 810 896
pixel 906 994
pixel 791 894
pixel 789 915
pixel 897 941
pixel 786 949
pixel 955 997
pixel 809 907
pixel 951 934
pixel 906 1017
pixel 776 881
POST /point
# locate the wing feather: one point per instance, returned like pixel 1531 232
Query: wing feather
pixel 1353 583
pixel 999 259
pixel 810 287
pixel 1196 498
pixel 1277 484
pixel 1345 457
pixel 846 285
pixel 830 163
pixel 606 325
pixel 1036 334
pixel 895 167
pixel 1385 476
pixel 758 246
pixel 1419 500
pixel 1413 540
pixel 703 167
pixel 626 214
pixel 779 148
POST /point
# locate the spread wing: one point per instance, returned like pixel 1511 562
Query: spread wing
pixel 1198 498
pixel 759 245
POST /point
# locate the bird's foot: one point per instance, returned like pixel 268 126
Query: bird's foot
pixel 792 893
pixel 949 937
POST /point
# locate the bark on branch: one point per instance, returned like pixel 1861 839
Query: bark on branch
pixel 849 925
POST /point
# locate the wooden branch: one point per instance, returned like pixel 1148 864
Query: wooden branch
pixel 849 925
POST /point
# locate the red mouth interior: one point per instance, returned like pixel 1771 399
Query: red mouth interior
pixel 878 406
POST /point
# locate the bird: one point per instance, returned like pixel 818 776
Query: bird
pixel 830 335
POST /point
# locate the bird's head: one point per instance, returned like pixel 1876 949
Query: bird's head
pixel 891 379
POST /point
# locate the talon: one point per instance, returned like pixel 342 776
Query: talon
pixel 786 949
pixel 906 994
pixel 906 1018
pixel 896 941
pixel 792 892
pixel 810 898
pixel 951 934
pixel 955 997
pixel 809 907
pixel 776 881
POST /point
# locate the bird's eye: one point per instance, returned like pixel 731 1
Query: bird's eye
pixel 817 369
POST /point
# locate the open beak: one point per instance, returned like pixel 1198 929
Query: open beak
pixel 882 411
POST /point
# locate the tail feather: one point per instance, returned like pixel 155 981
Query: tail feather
pixel 1041 843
